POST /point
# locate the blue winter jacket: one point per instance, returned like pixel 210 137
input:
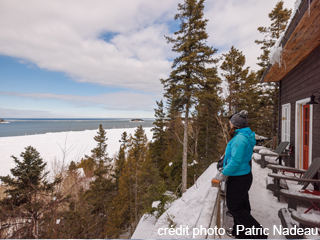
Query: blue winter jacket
pixel 239 152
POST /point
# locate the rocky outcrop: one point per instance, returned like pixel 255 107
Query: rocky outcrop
pixel 136 120
pixel 2 120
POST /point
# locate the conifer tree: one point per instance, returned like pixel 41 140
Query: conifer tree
pixel 87 164
pixel 252 100
pixel 173 152
pixel 153 187
pixel 279 19
pixel 160 123
pixel 235 76
pixel 209 107
pixel 75 222
pixel 99 161
pixel 29 195
pixel 128 203
pixel 159 144
pixel 245 90
pixel 120 159
pixel 137 155
pixel 72 166
pixel 120 215
pixel 189 68
pixel 99 153
pixel 102 190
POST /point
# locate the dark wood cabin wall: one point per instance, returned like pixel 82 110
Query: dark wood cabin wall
pixel 299 84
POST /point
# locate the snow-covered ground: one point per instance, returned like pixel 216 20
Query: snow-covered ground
pixel 193 210
pixel 56 147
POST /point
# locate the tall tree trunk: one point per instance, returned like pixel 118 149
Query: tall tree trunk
pixel 130 192
pixel 230 103
pixel 136 200
pixel 207 136
pixel 185 149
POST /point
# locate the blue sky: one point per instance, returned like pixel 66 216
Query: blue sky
pixel 105 58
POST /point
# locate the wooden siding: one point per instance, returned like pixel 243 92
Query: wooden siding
pixel 299 84
pixel 296 19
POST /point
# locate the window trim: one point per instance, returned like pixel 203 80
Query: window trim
pixel 288 106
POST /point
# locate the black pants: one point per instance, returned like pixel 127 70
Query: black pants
pixel 239 206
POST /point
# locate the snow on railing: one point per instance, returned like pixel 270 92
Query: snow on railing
pixel 218 214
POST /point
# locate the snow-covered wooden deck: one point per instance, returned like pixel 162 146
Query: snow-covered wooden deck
pixel 194 211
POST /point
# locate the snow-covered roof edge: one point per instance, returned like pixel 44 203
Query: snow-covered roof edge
pixel 275 51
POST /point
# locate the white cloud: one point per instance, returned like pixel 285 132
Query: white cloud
pixel 64 36
pixel 122 101
pixel 17 113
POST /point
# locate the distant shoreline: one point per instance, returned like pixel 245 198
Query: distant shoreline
pixel 76 119
pixel 71 131
pixel 23 127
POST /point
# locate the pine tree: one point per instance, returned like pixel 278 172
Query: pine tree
pixel 160 123
pixel 153 188
pixel 279 19
pixel 137 155
pixel 173 152
pixel 98 163
pixel 72 166
pixel 159 144
pixel 99 153
pixel 29 195
pixel 245 90
pixel 102 190
pixel 127 206
pixel 252 95
pixel 209 145
pixel 75 222
pixel 189 68
pixel 120 159
pixel 235 76
pixel 87 164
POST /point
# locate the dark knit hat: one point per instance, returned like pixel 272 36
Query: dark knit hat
pixel 240 119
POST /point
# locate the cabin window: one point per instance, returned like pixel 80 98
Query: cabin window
pixel 286 115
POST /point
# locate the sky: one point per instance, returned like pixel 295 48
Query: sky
pixel 103 58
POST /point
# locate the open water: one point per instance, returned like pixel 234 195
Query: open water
pixel 23 126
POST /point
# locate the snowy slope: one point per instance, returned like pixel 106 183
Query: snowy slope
pixel 51 146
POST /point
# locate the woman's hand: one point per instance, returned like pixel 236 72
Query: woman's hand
pixel 221 177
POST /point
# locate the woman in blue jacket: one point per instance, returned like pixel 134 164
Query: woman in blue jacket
pixel 237 172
